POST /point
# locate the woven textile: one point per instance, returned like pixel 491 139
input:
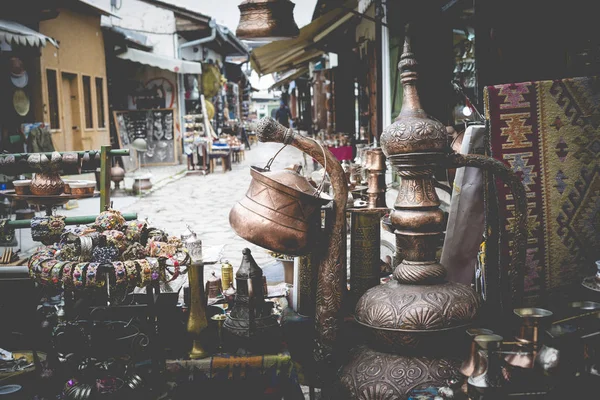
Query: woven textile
pixel 548 132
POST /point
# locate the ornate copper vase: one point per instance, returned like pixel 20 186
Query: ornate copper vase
pixel 46 182
pixel 418 313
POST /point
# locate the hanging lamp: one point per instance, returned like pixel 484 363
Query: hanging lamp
pixel 266 20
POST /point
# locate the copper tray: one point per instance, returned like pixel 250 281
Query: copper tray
pixel 53 200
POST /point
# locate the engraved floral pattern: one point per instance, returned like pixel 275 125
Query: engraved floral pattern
pixel 422 318
pixel 396 376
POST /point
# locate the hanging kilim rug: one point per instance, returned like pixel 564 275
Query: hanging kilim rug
pixel 548 132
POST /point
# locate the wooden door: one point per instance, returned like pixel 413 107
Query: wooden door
pixel 71 113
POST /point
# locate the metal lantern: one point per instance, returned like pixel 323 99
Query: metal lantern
pixel 193 244
pixel 266 20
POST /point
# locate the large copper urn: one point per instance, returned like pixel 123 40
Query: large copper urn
pixel 416 320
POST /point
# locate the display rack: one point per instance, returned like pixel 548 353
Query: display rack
pixel 104 154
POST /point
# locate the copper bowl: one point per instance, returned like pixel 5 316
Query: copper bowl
pixel 22 187
pixel 81 188
pixel 68 185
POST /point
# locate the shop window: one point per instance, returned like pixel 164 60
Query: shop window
pixel 51 81
pixel 100 102
pixel 87 99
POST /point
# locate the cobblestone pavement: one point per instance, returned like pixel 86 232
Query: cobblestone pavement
pixel 204 202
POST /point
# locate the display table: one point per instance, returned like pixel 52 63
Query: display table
pixel 262 376
pixel 341 153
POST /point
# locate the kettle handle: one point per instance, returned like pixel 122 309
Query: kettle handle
pixel 517 266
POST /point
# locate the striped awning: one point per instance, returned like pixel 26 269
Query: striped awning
pixel 14 33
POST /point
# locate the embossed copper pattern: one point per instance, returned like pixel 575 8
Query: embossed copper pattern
pixel 261 19
pixel 331 253
pixel 412 131
pixel 374 375
pixel 365 251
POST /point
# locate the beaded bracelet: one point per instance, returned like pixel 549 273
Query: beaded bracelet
pixel 78 274
pixel 145 272
pixel 56 272
pixel 120 273
pixel 91 276
pixel 47 265
pixel 157 273
pixel 67 274
pixel 35 266
pixel 132 273
pixel 86 244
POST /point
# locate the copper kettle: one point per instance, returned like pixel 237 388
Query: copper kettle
pixel 279 211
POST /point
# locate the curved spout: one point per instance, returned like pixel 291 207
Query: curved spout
pixel 332 254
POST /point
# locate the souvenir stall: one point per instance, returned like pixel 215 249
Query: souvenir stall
pixel 120 309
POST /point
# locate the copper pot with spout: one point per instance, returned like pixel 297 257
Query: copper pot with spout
pixel 279 211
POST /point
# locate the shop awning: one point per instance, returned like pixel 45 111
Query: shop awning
pixel 162 62
pixel 289 76
pixel 14 33
pixel 283 55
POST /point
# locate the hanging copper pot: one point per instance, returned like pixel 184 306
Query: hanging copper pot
pixel 279 211
pixel 266 20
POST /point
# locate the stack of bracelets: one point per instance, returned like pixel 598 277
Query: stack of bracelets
pixel 132 258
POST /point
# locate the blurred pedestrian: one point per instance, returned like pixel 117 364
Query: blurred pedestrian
pixel 283 115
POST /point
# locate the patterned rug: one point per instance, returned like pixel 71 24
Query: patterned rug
pixel 548 132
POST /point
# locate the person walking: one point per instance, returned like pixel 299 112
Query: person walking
pixel 283 115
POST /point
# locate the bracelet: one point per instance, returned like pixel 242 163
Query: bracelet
pixel 132 273
pixel 145 272
pixel 78 273
pixel 161 249
pixel 116 239
pixel 86 244
pixel 56 272
pixel 47 265
pixel 35 267
pixel 67 274
pixel 91 276
pixel 120 273
pixel 157 273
